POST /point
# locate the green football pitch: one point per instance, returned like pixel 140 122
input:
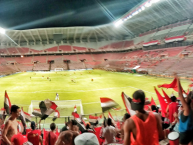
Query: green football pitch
pixel 21 89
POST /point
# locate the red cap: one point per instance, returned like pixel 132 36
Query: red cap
pixel 19 139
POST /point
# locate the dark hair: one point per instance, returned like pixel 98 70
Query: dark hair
pixel 190 95
pixel 173 98
pixel 109 121
pixel 33 125
pixel 153 107
pixel 87 126
pixel 74 122
pixel 52 126
pixel 127 116
pixel 14 108
pixel 104 123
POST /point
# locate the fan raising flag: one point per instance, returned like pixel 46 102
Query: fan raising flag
pixel 7 103
pixel 127 104
pixel 80 123
pixel 50 108
pixel 107 104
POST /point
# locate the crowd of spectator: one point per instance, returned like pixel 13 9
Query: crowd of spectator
pixel 146 127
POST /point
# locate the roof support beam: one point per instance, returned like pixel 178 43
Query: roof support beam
pixel 82 34
pixel 19 38
pixel 39 35
pixel 88 38
pixel 95 36
pixel 32 37
pixel 46 36
pixel 75 34
pixel 24 37
pixel 107 37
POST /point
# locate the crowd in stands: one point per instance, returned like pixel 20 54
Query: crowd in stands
pixel 146 127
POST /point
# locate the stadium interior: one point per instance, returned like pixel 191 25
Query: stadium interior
pixel 154 39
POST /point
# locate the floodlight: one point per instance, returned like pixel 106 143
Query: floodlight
pixel 148 4
pixel 2 31
pixel 143 8
pixel 118 23
pixel 21 55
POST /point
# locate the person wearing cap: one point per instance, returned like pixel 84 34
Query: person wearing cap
pixel 172 108
pixel 66 138
pixel 10 128
pixel 186 117
pixel 34 135
pixel 144 127
pixel 86 139
pixel 51 137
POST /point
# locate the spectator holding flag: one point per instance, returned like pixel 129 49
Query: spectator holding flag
pixel 186 117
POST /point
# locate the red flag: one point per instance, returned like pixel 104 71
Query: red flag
pixel 162 102
pixel 152 102
pixel 173 85
pixel 166 97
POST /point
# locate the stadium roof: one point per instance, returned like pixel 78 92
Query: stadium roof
pixel 158 14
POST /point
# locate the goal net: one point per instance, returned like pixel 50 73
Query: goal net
pixel 65 107
pixel 58 69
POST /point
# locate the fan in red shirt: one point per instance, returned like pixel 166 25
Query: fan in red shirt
pixel 34 136
pixel 51 137
pixel 172 108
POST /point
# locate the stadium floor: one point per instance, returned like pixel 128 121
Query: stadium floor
pixel 21 89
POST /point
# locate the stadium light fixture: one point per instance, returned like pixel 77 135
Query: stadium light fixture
pixel 21 55
pixel 142 8
pixel 2 31
pixel 118 23
pixel 148 4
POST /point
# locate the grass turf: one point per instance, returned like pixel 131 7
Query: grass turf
pixel 21 89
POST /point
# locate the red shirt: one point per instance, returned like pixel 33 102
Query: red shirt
pixel 34 137
pixel 147 133
pixel 19 139
pixel 51 138
pixel 173 107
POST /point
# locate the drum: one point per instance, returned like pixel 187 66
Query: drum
pixel 174 138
